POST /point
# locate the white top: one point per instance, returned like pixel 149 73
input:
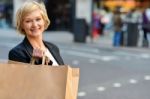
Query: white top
pixel 50 56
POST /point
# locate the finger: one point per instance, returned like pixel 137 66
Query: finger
pixel 37 53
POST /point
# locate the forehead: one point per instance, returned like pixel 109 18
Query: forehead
pixel 34 13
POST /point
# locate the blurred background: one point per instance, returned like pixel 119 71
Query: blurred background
pixel 107 39
pixel 87 19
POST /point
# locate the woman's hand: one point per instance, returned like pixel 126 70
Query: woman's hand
pixel 37 53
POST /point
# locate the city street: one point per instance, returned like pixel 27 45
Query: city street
pixel 106 72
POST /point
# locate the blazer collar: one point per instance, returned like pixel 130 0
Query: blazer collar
pixel 52 51
pixel 28 46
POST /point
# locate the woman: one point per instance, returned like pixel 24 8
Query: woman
pixel 32 21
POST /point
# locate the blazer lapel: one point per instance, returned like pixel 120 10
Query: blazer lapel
pixel 54 53
pixel 28 47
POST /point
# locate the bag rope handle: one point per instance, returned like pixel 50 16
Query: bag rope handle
pixel 45 60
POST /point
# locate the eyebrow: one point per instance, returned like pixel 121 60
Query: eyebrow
pixel 31 18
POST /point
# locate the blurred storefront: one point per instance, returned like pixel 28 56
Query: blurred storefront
pixel 6 11
pixel 125 4
pixel 59 14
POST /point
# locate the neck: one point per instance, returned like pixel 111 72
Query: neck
pixel 37 43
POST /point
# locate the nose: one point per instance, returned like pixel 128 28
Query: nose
pixel 34 23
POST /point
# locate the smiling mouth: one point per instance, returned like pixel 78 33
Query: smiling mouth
pixel 35 29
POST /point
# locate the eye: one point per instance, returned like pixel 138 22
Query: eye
pixel 27 21
pixel 38 19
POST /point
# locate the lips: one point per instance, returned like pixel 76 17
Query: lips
pixel 34 29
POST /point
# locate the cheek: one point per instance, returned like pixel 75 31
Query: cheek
pixel 42 24
pixel 26 26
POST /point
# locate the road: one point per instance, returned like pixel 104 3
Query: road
pixel 105 72
pixel 110 73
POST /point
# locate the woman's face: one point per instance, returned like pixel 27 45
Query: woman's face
pixel 33 24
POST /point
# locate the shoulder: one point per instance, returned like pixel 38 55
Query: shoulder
pixel 19 53
pixel 17 50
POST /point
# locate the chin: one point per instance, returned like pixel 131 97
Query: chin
pixel 35 34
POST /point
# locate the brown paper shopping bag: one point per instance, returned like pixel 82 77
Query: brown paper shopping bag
pixel 26 81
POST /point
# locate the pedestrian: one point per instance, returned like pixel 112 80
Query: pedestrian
pixel 31 21
pixel 117 22
pixel 96 26
pixel 146 27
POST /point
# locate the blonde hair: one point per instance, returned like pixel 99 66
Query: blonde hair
pixel 28 7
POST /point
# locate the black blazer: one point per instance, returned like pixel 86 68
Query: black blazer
pixel 23 52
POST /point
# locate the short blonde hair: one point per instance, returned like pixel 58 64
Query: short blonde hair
pixel 28 7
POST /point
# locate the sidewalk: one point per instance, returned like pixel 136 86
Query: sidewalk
pixel 9 36
pixel 58 37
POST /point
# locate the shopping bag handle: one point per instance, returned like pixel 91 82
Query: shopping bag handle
pixel 45 60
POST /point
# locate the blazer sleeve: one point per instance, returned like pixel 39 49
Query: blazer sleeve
pixel 17 55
